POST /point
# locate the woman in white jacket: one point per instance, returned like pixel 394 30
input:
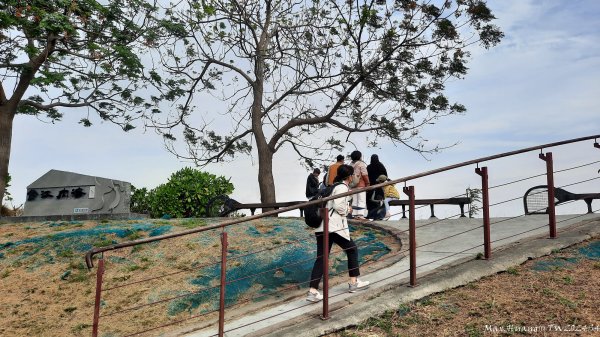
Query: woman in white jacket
pixel 340 234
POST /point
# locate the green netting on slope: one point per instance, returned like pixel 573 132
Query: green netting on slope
pixel 557 263
pixel 590 251
pixel 253 276
pixel 43 249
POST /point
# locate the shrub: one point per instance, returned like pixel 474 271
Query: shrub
pixel 139 200
pixel 475 205
pixel 187 193
pixel 12 210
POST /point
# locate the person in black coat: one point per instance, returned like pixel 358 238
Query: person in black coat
pixel 312 184
pixel 374 169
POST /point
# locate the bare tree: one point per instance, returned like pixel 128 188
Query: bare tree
pixel 310 74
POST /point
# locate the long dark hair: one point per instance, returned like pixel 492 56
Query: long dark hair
pixel 343 172
pixel 374 159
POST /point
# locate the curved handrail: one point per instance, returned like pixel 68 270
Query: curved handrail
pixel 89 255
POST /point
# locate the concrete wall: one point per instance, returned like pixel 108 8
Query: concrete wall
pixel 67 193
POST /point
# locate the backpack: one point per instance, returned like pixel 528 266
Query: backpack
pixel 312 217
pixel 355 181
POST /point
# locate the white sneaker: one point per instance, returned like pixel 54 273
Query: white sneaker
pixel 359 285
pixel 314 297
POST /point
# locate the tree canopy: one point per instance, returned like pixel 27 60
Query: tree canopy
pixel 311 74
pixel 305 74
pixel 59 54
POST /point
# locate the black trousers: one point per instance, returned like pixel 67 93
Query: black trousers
pixel 348 246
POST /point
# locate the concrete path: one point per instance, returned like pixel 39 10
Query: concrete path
pixel 446 252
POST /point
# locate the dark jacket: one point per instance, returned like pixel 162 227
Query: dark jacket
pixel 375 170
pixel 375 206
pixel 312 186
pixel 375 198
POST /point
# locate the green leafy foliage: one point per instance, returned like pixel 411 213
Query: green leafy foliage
pixel 9 209
pixel 7 194
pixel 186 194
pixel 139 200
pixel 474 194
pixel 87 49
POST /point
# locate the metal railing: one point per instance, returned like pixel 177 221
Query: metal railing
pixel 222 259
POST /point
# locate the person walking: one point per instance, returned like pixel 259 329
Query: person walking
pixel 338 234
pixel 312 184
pixel 361 178
pixel 332 172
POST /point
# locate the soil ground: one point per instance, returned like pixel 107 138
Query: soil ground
pixel 556 295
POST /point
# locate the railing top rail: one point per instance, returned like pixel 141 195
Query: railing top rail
pixel 94 251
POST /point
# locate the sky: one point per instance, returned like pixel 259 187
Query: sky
pixel 540 85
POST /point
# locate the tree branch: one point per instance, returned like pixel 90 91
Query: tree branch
pixel 53 105
pixel 236 69
pixel 220 154
pixel 27 76
pixel 315 120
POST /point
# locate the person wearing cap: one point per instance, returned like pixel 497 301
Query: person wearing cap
pixel 389 193
pixel 312 184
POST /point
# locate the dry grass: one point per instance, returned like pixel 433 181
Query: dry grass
pixel 520 301
pixel 12 210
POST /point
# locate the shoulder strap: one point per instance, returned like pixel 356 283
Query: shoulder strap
pixel 338 183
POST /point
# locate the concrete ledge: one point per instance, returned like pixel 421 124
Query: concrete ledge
pixel 376 302
pixel 73 217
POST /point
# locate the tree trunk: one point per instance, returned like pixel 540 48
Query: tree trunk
pixel 266 182
pixel 6 124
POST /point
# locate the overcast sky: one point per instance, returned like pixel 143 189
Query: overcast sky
pixel 540 85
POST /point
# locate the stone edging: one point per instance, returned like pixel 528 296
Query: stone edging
pixel 73 217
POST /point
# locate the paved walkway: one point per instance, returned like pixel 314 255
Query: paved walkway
pixel 446 252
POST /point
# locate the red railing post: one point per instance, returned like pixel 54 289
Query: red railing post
pixel 223 284
pixel 412 236
pixel 550 181
pixel 487 246
pixel 99 275
pixel 325 217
